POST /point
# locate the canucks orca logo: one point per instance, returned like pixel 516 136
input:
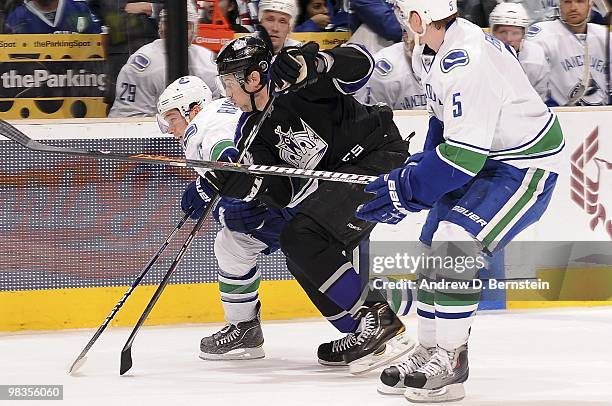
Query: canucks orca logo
pixel 301 149
pixel 533 31
pixel 454 58
pixel 383 67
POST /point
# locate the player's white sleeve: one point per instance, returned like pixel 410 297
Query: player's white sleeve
pixel 472 104
pixel 537 67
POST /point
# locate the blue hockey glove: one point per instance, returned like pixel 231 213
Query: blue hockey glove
pixel 391 203
pixel 197 195
pixel 243 217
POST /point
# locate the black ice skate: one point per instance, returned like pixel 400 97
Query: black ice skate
pixel 392 378
pixel 234 342
pixel 330 354
pixel 381 340
pixel 440 379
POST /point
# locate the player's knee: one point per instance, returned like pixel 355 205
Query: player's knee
pixel 448 231
pixel 298 240
pixel 232 257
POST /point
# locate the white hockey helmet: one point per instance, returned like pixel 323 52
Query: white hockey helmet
pixel 182 94
pixel 282 6
pixel 509 14
pixel 428 10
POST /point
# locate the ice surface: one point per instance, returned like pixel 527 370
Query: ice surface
pixel 540 358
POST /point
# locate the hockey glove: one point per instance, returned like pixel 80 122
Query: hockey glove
pixel 392 201
pixel 234 184
pixel 295 67
pixel 197 195
pixel 243 217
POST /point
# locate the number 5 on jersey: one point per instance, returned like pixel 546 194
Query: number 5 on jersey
pixel 457 110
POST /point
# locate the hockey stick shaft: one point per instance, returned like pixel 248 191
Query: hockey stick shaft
pixel 80 360
pixel 14 134
pixel 126 352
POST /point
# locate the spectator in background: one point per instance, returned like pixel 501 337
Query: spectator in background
pixel 477 11
pixel 229 9
pixel 374 24
pixel 6 7
pixel 560 74
pixel 52 17
pixel 393 80
pixel 278 18
pixel 130 25
pixel 143 78
pixel 508 22
pixel 314 16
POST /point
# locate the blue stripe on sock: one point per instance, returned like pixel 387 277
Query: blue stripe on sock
pixel 228 300
pixel 426 314
pixel 463 315
pixel 249 275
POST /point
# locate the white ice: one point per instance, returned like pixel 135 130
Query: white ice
pixel 540 358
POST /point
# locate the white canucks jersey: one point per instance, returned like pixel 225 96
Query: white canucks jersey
pixel 393 82
pixel 211 132
pixel 143 78
pixel 477 88
pixel 558 71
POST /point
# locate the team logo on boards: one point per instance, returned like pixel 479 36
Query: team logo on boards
pixel 592 194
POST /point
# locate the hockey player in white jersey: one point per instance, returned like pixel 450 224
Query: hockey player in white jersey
pixel 508 22
pixel 278 19
pixel 206 129
pixel 393 80
pixel 143 78
pixel 491 160
pixel 559 73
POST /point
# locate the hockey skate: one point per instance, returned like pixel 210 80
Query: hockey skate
pixel 330 354
pixel 392 378
pixel 440 379
pixel 235 341
pixel 381 339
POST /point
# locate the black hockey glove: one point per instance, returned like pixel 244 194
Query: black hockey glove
pixel 295 67
pixel 234 184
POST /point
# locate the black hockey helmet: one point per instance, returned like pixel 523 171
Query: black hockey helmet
pixel 244 55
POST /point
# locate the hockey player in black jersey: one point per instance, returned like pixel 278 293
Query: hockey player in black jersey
pixel 315 123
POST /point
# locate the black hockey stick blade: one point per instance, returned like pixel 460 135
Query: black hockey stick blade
pixel 126 360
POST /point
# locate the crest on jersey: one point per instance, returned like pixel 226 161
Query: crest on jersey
pixel 140 62
pixel 533 31
pixel 302 149
pixel 453 59
pixel 383 67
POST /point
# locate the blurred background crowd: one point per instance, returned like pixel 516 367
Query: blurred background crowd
pixel 135 55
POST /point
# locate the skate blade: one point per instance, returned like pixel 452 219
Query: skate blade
pixel 333 364
pixel 389 390
pixel 394 348
pixel 448 393
pixel 238 354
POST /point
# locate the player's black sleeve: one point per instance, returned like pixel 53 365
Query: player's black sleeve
pixel 348 69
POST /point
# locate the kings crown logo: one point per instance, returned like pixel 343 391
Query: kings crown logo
pixel 301 149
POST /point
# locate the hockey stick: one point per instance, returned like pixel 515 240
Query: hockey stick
pixel 126 352
pixel 12 133
pixel 80 360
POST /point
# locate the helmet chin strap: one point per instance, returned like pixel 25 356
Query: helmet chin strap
pixel 252 96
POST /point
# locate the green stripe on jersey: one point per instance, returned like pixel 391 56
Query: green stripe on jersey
pixel 550 141
pixel 218 149
pixel 469 160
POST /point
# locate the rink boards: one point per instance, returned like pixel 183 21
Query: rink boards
pixel 76 233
